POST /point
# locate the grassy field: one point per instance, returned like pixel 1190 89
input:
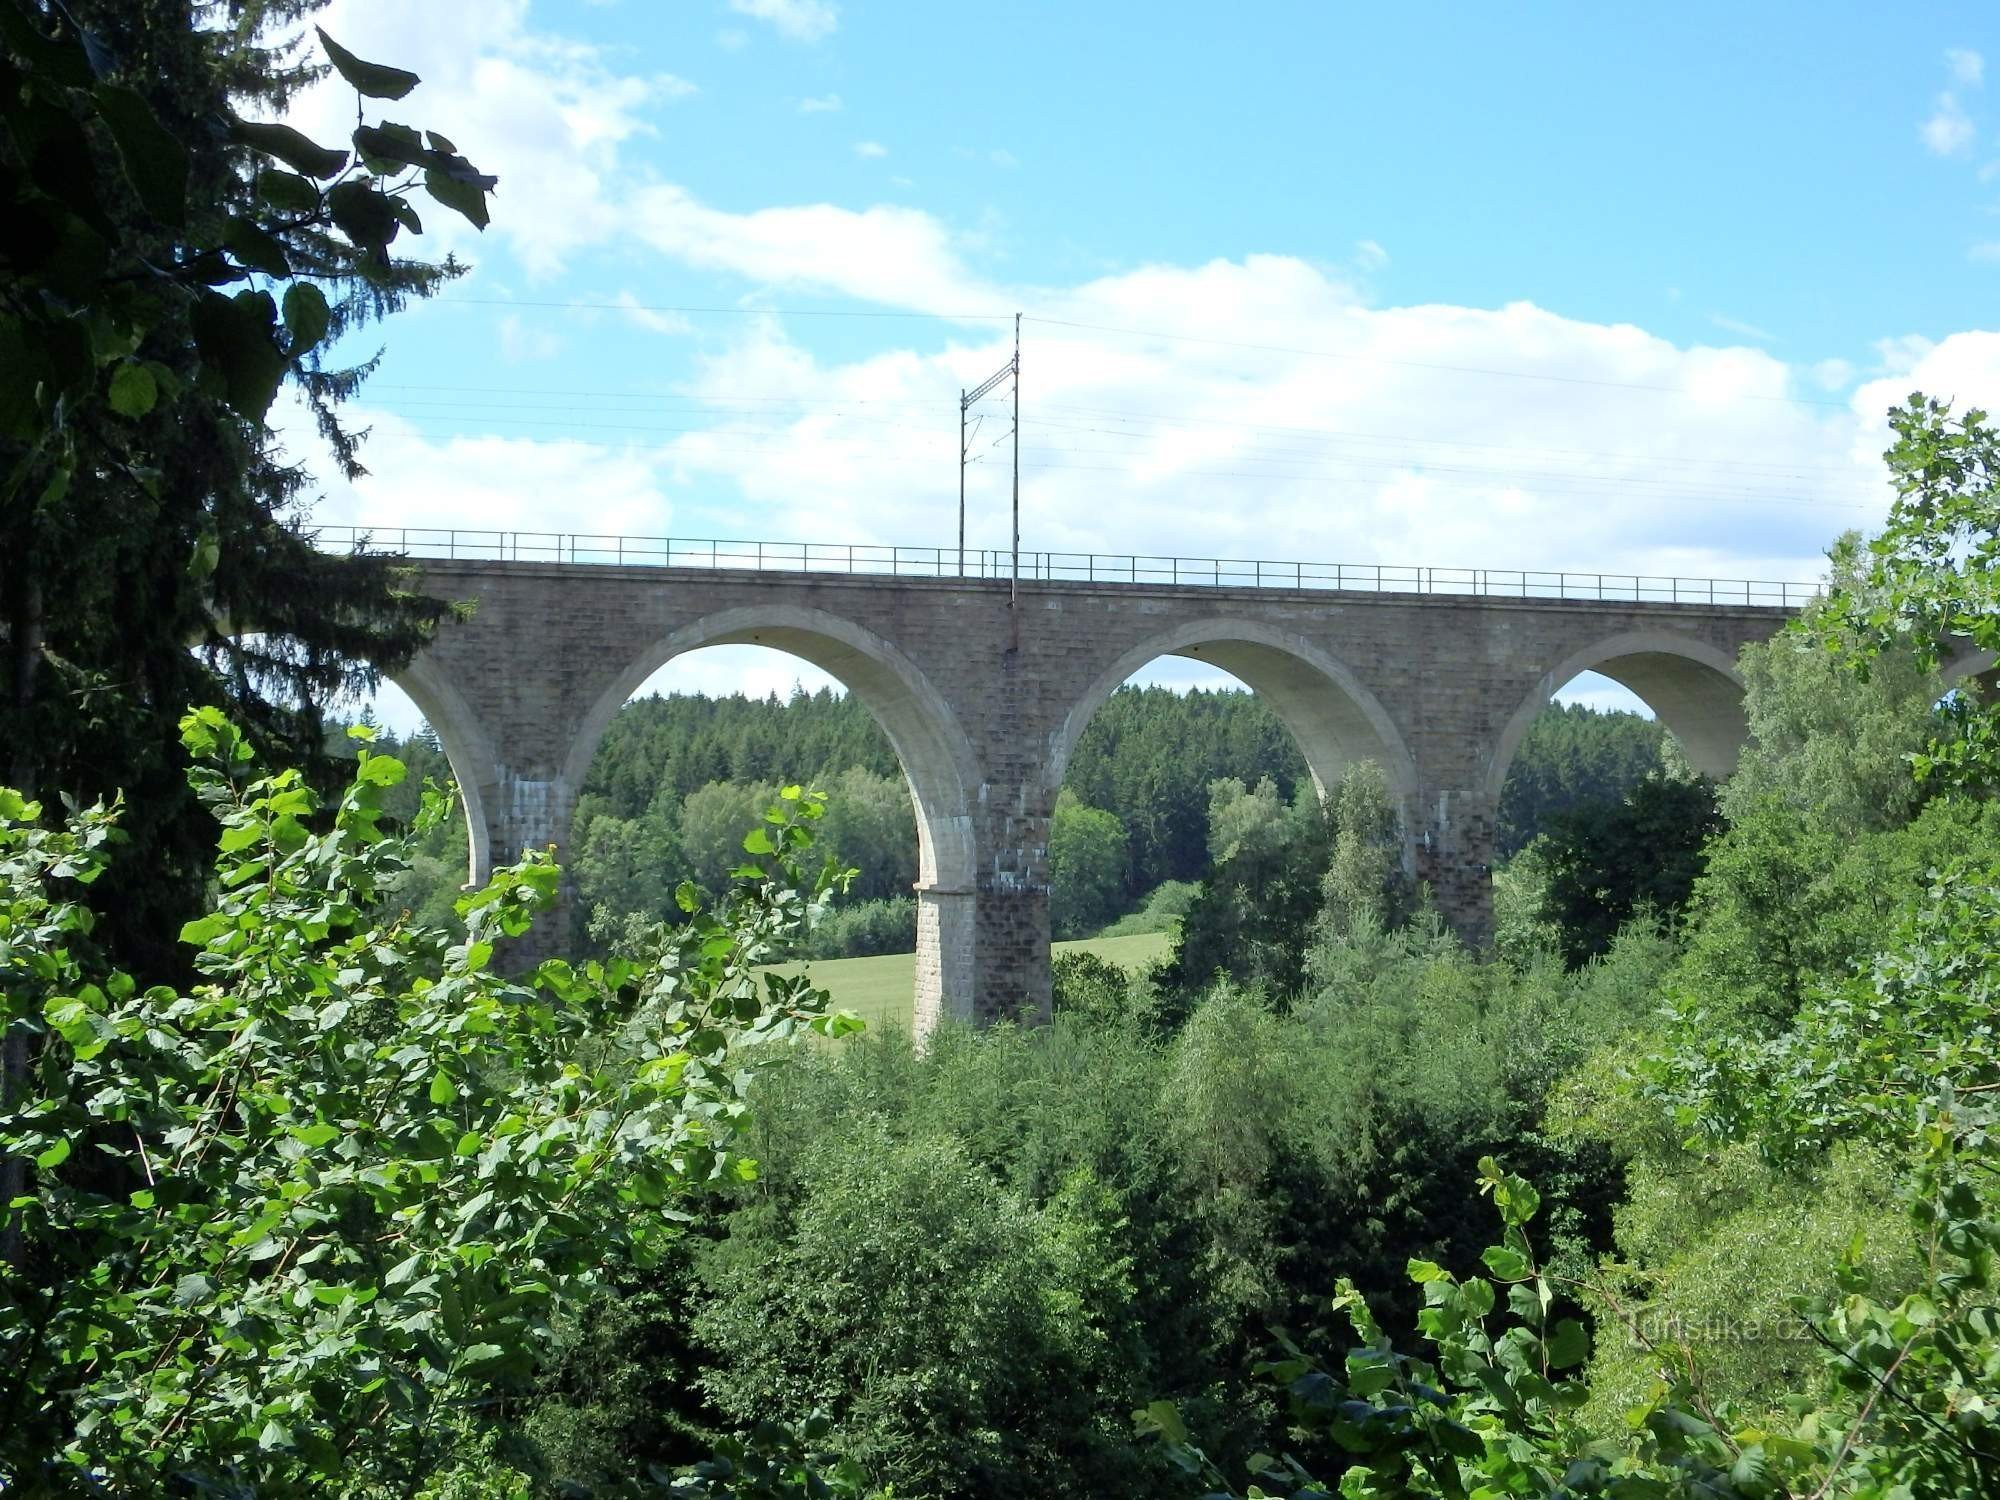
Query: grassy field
pixel 879 990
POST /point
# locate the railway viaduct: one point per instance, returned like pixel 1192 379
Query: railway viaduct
pixel 984 683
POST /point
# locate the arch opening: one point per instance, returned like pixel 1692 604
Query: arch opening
pixel 466 748
pixel 859 701
pixel 1691 688
pixel 1163 738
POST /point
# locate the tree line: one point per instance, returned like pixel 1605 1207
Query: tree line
pixel 677 776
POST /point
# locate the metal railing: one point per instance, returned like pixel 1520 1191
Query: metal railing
pixel 1040 567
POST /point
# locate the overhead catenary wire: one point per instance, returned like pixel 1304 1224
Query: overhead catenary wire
pixel 1163 335
pixel 708 403
pixel 1283 459
pixel 1448 476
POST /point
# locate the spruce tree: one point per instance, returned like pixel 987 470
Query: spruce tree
pixel 170 257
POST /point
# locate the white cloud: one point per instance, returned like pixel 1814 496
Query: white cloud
pixel 1967 67
pixel 1986 253
pixel 732 39
pixel 887 254
pixel 484 483
pixel 548 114
pixel 1369 255
pixel 795 20
pixel 1899 356
pixel 824 104
pixel 1963 369
pixel 1631 454
pixel 754 671
pixel 1949 130
pixel 1832 374
pixel 870 150
pixel 521 343
pixel 1740 328
pixel 1002 158
pixel 652 319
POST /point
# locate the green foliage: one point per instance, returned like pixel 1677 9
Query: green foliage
pixel 1808 1304
pixel 1364 889
pixel 1150 755
pixel 1603 865
pixel 1253 917
pixel 171 255
pixel 1573 756
pixel 954 1332
pixel 863 928
pixel 1087 859
pixel 1929 584
pixel 1490 1412
pixel 1787 904
pixel 305 1224
pixel 976 1260
pixel 1162 911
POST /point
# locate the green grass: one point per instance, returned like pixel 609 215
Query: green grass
pixel 880 990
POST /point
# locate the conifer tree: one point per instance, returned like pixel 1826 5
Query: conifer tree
pixel 170 257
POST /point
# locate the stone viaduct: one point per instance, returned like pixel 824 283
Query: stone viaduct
pixel 984 695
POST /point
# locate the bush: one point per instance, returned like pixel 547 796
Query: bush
pixel 956 1334
pixel 1163 909
pixel 306 1226
pixel 864 929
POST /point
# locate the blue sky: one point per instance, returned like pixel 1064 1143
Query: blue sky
pixel 1550 286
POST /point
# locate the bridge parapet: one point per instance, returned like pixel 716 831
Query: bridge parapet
pixel 1041 567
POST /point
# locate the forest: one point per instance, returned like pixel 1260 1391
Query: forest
pixel 1157 781
pixel 1687 1187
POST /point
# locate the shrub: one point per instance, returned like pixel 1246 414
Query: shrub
pixel 865 928
pixel 302 1228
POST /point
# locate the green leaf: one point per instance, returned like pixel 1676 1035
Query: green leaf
pixel 55 1156
pixel 1475 1297
pixel 237 339
pixel 155 163
pixel 382 770
pixel 288 192
pixel 1505 1264
pixel 462 189
pixel 295 150
pixel 256 247
pixel 389 147
pixel 204 930
pixel 757 841
pixel 443 1090
pixel 371 80
pixel 306 316
pixel 1568 1344
pixel 133 389
pixel 363 214
pixel 316 1135
pixel 403 1270
pixel 1164 1418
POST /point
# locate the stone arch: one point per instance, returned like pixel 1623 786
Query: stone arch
pixel 929 743
pixel 1335 720
pixel 469 749
pixel 1691 685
